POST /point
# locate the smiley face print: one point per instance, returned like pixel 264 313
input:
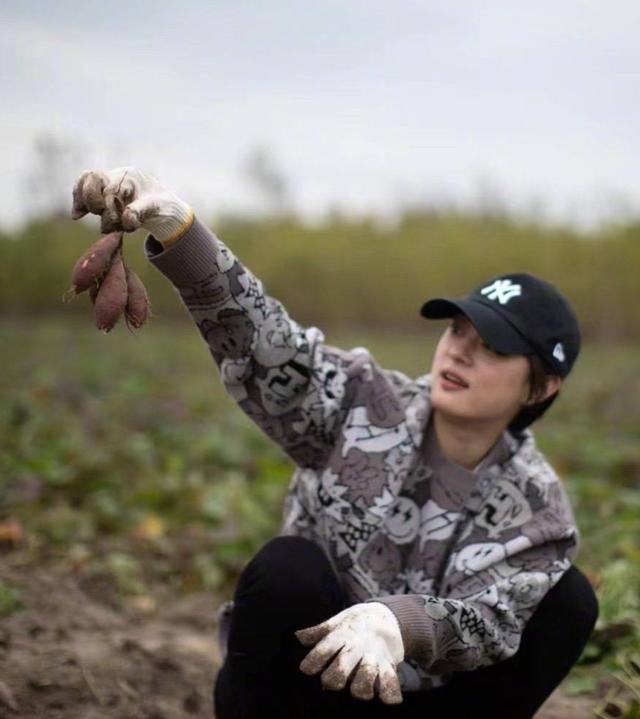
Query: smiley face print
pixel 403 521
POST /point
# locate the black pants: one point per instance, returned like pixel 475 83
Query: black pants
pixel 289 584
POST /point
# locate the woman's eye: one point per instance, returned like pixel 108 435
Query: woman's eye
pixel 495 352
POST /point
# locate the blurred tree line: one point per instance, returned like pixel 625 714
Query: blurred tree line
pixel 348 271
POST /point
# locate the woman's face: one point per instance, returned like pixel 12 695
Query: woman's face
pixel 495 385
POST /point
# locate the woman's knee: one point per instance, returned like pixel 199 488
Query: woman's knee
pixel 287 567
pixel 579 598
pixel 573 603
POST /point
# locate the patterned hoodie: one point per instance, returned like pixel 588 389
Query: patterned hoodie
pixel 462 558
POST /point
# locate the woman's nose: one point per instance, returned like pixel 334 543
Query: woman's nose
pixel 462 349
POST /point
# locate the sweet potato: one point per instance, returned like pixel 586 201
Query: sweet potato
pixel 93 265
pixel 111 299
pixel 114 289
pixel 93 292
pixel 137 309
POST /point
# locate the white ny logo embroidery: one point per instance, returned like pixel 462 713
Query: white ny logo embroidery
pixel 501 290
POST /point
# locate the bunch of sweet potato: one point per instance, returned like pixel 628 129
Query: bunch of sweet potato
pixel 114 288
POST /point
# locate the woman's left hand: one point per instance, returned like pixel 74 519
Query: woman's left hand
pixel 366 635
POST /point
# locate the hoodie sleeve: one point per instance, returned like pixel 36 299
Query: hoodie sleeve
pixel 283 376
pixel 490 591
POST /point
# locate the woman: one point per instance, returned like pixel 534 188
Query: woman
pixel 425 558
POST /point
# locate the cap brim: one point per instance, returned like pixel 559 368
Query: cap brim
pixel 494 329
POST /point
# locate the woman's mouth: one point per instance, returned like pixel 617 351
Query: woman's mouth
pixel 452 381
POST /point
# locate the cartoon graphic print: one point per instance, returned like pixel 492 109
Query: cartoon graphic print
pixel 383 407
pixel 473 558
pixel 382 560
pixel 380 507
pixel 418 581
pixel 505 508
pixel 277 339
pixel 362 475
pixel 280 387
pixel 207 295
pixel 225 260
pixel 398 462
pixel 447 494
pixel 426 558
pixel 231 335
pixel 437 523
pixel 541 556
pixel 306 450
pixel 418 483
pixel 328 389
pixel 355 533
pixel 244 284
pixel 554 520
pixel 331 493
pixel 360 433
pixel 403 520
pixel 530 588
pixel 359 585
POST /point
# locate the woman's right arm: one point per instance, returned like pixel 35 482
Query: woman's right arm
pixel 284 377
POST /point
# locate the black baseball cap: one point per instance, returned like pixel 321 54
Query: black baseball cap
pixel 518 313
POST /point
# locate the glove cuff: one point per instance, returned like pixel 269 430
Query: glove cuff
pixel 176 218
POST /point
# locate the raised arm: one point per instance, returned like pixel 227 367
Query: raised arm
pixel 283 375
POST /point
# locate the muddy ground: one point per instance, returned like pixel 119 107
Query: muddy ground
pixel 75 652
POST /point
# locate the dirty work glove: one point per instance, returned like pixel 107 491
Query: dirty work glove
pixel 366 633
pixel 127 198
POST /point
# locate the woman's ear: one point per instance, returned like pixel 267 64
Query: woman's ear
pixel 554 382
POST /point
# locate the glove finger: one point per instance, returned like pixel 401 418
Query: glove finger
pixel 79 209
pixel 138 212
pixel 389 684
pixel 318 657
pixel 123 183
pixel 311 635
pixel 336 675
pixel 120 190
pixel 91 192
pixel 364 680
pixel 111 218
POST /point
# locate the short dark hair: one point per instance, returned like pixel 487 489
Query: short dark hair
pixel 538 377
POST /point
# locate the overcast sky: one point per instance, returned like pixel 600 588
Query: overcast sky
pixel 365 106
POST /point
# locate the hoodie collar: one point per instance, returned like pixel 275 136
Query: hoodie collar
pixel 499 452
